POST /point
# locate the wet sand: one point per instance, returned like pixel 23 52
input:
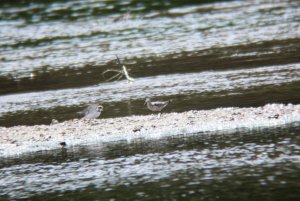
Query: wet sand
pixel 23 139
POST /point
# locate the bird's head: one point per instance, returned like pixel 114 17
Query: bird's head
pixel 147 101
pixel 100 108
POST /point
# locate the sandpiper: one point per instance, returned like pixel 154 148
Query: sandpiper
pixel 92 111
pixel 156 106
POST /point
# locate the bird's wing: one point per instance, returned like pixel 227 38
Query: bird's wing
pixel 159 103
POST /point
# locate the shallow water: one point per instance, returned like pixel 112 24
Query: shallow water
pixel 261 163
pixel 205 85
pixel 201 55
pixel 175 50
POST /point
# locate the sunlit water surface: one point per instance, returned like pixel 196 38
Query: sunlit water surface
pixel 261 163
pixel 175 50
pixel 200 55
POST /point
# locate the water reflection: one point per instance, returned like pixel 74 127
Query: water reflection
pixel 94 40
pixel 175 164
pixel 170 47
pixel 66 45
pixel 246 87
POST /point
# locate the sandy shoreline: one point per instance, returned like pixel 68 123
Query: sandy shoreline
pixel 21 139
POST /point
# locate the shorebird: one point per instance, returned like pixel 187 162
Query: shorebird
pixel 92 111
pixel 156 106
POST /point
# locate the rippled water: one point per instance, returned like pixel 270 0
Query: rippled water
pixel 205 85
pixel 264 162
pixel 200 55
pixel 66 46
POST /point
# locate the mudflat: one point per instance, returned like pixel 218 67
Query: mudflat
pixel 21 139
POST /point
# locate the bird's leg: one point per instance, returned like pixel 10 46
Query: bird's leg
pixel 158 116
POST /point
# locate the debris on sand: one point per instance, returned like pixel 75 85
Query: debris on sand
pixel 21 139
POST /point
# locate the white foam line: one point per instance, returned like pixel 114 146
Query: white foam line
pixel 21 139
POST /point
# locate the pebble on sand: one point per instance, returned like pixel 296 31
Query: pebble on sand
pixel 21 139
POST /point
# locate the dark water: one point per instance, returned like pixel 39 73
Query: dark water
pixel 59 50
pixel 202 55
pixel 243 165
